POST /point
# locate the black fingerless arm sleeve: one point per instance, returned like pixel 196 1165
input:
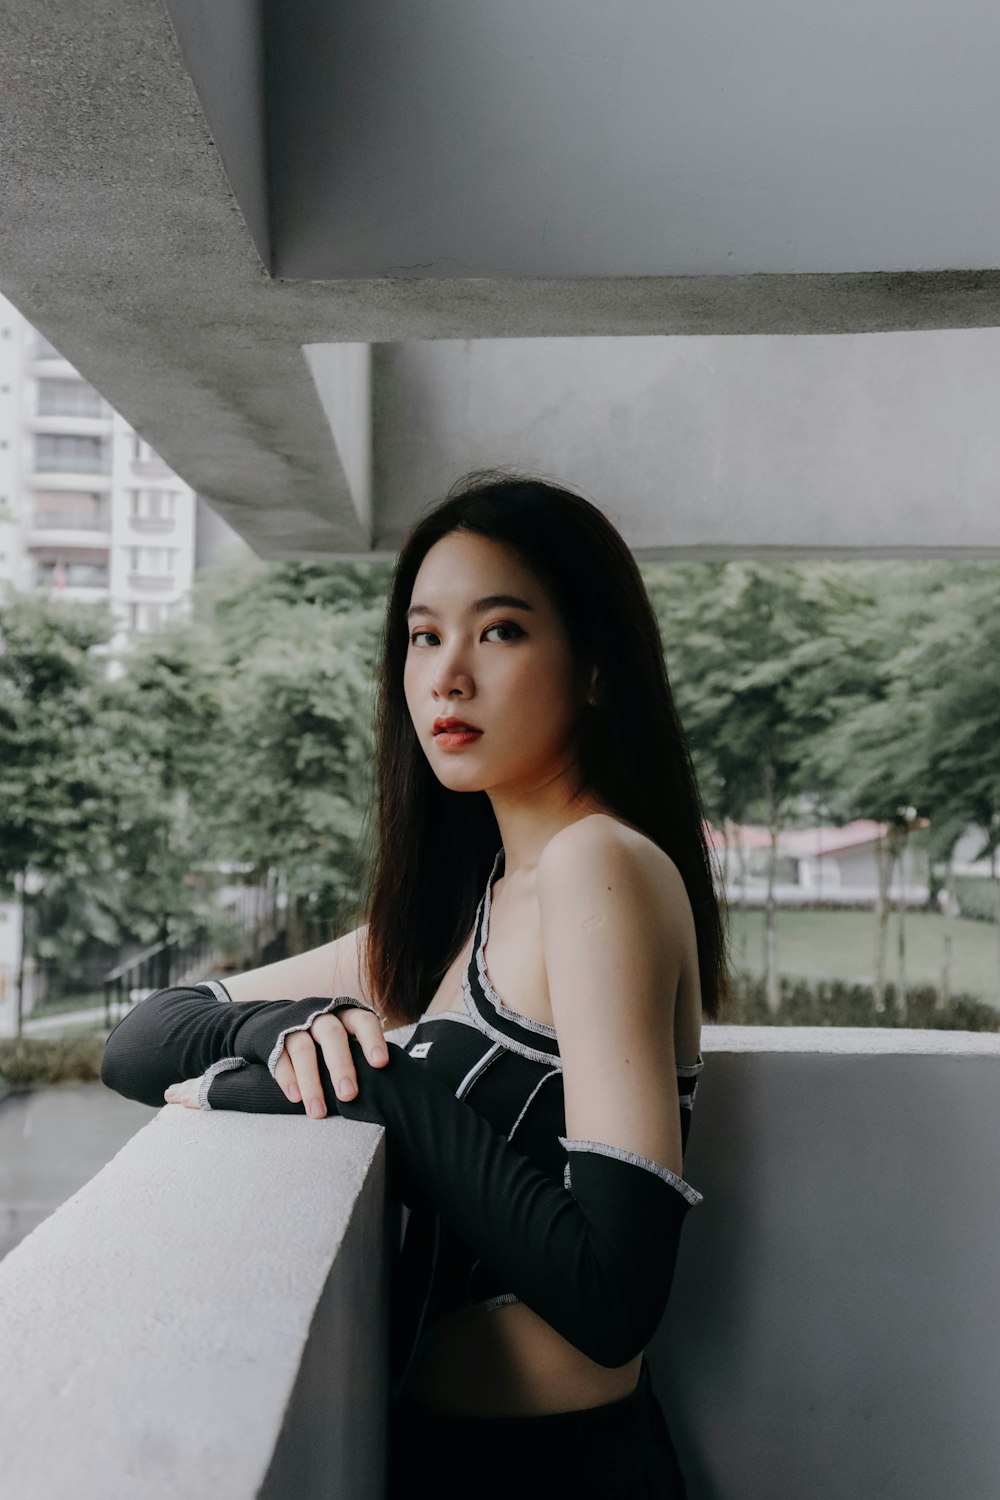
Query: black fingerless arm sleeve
pixel 185 1032
pixel 593 1254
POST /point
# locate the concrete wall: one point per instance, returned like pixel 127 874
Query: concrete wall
pixel 462 138
pixel 712 447
pixel 834 1327
pixel 206 1316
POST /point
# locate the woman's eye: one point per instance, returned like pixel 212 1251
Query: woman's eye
pixel 505 625
pixel 508 625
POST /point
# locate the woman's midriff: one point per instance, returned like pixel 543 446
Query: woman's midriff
pixel 507 1361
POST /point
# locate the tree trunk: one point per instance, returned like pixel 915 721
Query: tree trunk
pixel 944 990
pixel 742 905
pixel 882 919
pixel 19 884
pixel 901 995
pixel 772 980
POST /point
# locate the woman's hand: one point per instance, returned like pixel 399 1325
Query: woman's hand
pixel 297 1069
pixel 185 1093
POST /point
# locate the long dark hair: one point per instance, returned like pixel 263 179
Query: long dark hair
pixel 421 907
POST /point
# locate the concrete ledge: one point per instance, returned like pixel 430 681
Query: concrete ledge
pixel 841 1040
pixel 205 1317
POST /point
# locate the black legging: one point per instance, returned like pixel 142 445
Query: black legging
pixel 618 1451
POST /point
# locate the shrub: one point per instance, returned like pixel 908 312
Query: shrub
pixel 834 1002
pixel 25 1061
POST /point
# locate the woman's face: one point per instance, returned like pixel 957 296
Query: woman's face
pixel 505 668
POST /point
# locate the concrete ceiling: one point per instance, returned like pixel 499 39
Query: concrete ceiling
pixel 213 211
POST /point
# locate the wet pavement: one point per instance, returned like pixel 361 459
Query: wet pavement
pixel 53 1139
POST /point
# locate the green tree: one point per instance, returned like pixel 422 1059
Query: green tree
pixel 751 653
pixel 54 776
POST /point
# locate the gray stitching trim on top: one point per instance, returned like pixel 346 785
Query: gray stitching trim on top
pixel 478 1067
pixel 603 1149
pixel 222 1066
pixel 500 1301
pixel 501 1036
pixel 448 1015
pixel 491 994
pixel 550 1074
pixel 339 1002
pixel 688 1070
pixel 216 988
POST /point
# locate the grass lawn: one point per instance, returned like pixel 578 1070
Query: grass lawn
pixel 841 945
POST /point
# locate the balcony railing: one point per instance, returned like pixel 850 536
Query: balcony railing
pixel 160 524
pixel 833 1324
pixel 72 463
pixel 151 468
pixel 68 520
pixel 151 583
pixel 98 581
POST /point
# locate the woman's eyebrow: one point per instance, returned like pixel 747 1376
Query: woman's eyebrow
pixel 491 601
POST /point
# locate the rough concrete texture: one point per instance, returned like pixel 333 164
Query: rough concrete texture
pixel 464 138
pixel 154 1327
pixel 712 447
pixel 834 1323
pixel 123 243
pixel 840 1041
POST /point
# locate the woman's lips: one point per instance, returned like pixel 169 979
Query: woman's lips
pixel 455 739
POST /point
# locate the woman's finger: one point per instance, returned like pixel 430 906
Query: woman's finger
pixel 284 1074
pixel 184 1093
pixel 368 1030
pixel 302 1048
pixel 330 1034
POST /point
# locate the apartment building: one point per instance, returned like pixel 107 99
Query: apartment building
pixel 87 508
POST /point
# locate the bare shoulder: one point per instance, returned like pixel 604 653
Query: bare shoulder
pixel 609 872
pixel 599 847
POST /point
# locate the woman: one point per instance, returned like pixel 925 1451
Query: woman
pixel 534 793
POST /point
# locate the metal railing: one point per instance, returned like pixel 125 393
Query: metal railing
pixel 178 960
pixel 68 520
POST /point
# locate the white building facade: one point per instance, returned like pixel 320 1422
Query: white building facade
pixel 87 508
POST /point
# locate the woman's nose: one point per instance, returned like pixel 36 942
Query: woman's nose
pixel 451 676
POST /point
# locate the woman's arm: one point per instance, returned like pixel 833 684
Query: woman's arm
pixel 191 1031
pixel 594 1253
pixel 332 969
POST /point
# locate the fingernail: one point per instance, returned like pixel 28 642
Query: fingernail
pixel 379 1054
pixel 316 1108
pixel 293 1092
pixel 345 1088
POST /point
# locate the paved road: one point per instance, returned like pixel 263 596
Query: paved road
pixel 52 1141
pixel 69 1020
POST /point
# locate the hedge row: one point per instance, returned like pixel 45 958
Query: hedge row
pixel 834 1002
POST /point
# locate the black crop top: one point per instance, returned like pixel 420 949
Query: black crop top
pixel 507 1066
pixel 502 1207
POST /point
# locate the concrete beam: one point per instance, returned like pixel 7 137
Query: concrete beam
pixel 124 242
